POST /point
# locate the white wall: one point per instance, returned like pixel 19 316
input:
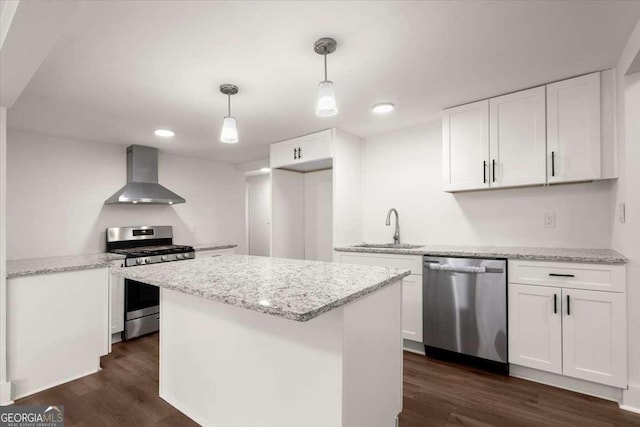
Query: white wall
pixel 57 188
pixel 627 240
pixel 627 235
pixel 403 169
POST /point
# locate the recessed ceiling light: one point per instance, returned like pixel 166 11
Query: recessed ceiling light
pixel 265 170
pixel 382 108
pixel 164 133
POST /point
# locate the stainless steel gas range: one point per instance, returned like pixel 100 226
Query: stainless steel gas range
pixel 144 245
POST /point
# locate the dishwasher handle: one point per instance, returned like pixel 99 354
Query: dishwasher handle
pixel 431 265
pixel 455 269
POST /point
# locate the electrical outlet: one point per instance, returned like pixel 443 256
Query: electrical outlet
pixel 550 220
pixel 622 212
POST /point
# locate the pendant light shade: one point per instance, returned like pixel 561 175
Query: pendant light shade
pixel 229 132
pixel 326 105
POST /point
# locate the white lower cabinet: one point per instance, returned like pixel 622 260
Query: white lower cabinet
pixel 535 327
pixel 117 304
pixel 573 332
pixel 411 286
pixel 594 340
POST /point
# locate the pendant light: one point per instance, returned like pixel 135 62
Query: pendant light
pixel 326 105
pixel 229 133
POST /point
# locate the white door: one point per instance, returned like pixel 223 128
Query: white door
pixel 465 147
pixel 412 308
pixel 318 215
pixel 595 336
pixel 535 327
pixel 287 214
pixel 258 214
pixel 573 129
pixel 517 134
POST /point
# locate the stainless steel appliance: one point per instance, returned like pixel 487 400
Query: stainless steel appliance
pixel 144 245
pixel 142 180
pixel 465 309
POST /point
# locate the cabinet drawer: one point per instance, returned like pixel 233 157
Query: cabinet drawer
pixel 413 263
pixel 215 252
pixel 600 277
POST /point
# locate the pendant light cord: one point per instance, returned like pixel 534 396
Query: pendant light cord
pixel 325 65
pixel 229 105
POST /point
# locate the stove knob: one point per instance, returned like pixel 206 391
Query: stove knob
pixel 139 261
pixel 180 256
pixel 164 258
pixel 146 260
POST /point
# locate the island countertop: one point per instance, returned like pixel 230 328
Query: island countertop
pixel 292 289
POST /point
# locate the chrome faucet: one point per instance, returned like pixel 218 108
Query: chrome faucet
pixel 396 235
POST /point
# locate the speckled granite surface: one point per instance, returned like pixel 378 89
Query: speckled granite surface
pixel 293 289
pixel 211 246
pixel 592 256
pixel 30 266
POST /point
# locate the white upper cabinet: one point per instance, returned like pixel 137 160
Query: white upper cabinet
pixel 465 148
pixel 573 129
pixel 303 153
pixel 595 336
pixel 517 134
pixel 561 132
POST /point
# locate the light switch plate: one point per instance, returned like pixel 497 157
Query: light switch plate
pixel 550 220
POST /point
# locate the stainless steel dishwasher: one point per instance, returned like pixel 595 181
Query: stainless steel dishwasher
pixel 465 310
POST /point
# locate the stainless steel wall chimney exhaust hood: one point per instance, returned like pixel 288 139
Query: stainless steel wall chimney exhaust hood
pixel 142 180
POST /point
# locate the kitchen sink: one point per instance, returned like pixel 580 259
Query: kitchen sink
pixel 388 246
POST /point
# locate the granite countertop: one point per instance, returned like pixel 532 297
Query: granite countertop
pixel 293 289
pixel 211 246
pixel 592 256
pixel 57 264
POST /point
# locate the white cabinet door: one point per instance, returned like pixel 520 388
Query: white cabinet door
pixel 283 153
pixel 307 148
pixel 517 129
pixel 117 303
pixel 535 327
pixel 595 336
pixel 465 147
pixel 573 129
pixel 412 308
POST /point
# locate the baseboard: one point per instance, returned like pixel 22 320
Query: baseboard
pixel 5 394
pixel 573 384
pixel 631 399
pixel 66 380
pixel 186 411
pixel 413 346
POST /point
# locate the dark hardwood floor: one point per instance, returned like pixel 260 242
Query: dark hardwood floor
pixel 125 393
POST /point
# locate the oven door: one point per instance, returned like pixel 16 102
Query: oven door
pixel 142 309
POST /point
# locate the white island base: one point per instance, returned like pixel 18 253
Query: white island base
pixel 226 366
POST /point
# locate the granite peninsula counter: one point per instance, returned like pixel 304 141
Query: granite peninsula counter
pixel 299 342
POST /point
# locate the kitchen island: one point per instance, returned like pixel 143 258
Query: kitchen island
pixel 256 341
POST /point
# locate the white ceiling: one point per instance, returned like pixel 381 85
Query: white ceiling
pixel 122 69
